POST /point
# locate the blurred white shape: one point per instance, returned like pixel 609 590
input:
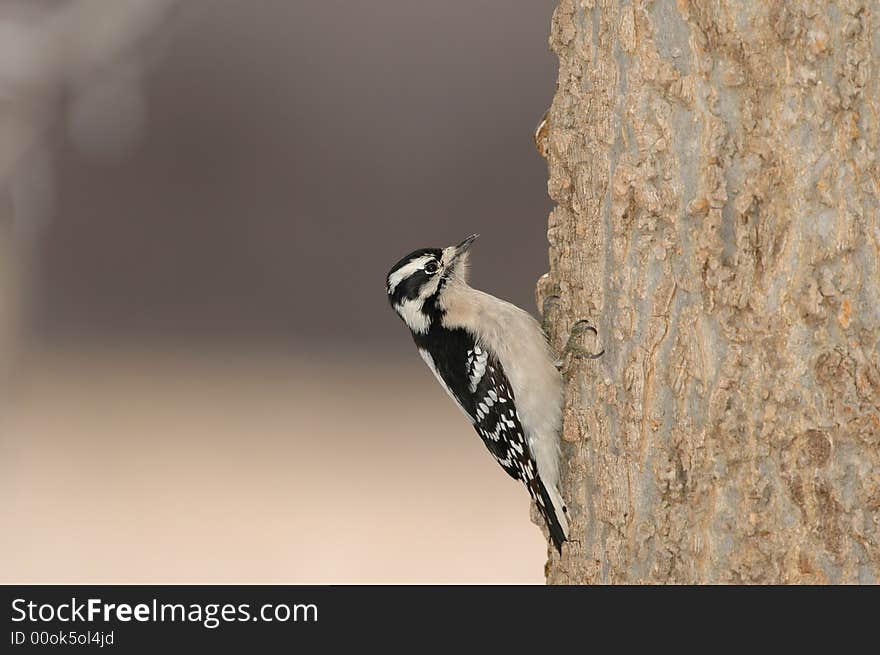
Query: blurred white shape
pixel 18 56
pixel 47 48
pixel 107 118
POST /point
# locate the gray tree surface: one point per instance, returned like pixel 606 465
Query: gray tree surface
pixel 715 170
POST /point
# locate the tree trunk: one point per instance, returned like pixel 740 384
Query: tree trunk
pixel 715 169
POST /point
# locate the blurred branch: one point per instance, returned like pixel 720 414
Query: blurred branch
pixel 50 49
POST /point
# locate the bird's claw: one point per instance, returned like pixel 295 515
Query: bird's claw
pixel 574 345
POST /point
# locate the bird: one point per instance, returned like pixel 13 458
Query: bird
pixel 495 362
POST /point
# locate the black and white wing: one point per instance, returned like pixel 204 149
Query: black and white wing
pixel 475 380
pixel 497 421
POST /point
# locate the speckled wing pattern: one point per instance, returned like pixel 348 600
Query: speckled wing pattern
pixel 495 417
pixel 498 424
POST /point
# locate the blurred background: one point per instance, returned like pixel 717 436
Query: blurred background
pixel 199 201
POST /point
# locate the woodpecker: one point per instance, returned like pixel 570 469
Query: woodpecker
pixel 494 361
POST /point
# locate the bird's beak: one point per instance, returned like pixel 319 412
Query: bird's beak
pixel 463 247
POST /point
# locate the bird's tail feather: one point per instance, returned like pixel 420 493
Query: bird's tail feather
pixel 553 509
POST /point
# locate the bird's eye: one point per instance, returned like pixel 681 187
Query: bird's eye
pixel 431 267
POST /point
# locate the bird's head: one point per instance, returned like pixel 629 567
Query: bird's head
pixel 416 283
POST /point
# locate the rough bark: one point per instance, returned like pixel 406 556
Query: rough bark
pixel 715 169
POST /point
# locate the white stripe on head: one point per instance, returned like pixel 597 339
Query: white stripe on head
pixel 406 270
